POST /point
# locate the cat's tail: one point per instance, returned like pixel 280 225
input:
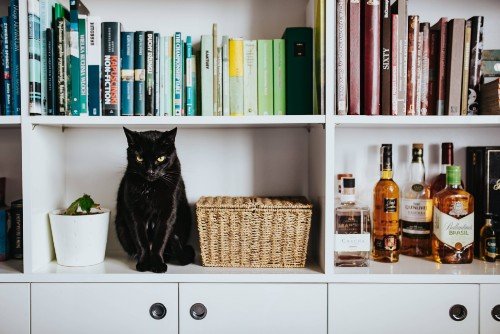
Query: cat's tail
pixel 179 253
pixel 187 255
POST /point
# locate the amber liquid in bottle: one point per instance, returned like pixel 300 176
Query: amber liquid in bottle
pixel 386 231
pixel 453 223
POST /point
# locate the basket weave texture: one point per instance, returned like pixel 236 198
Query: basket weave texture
pixel 254 232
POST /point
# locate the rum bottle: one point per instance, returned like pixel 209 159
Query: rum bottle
pixel 386 234
pixel 416 209
pixel 488 245
pixel 352 229
pixel 453 222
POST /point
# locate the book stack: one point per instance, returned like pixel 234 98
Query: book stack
pixel 389 63
pixel 88 67
pixel 10 85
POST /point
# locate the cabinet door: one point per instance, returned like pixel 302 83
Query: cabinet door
pixel 83 308
pixel 489 309
pixel 14 308
pixel 402 308
pixel 254 308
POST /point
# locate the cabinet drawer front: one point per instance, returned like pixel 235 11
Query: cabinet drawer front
pixel 84 308
pixel 14 308
pixel 254 308
pixel 401 308
pixel 490 297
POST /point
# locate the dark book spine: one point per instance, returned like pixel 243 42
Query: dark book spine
pixel 354 57
pixel 6 69
pixel 157 74
pixel 127 73
pixel 51 72
pixel 424 104
pixel 111 68
pixel 15 56
pixel 341 57
pixel 442 29
pixel 476 47
pixel 140 74
pixel 2 83
pixel 150 69
pixel 16 214
pixel 400 8
pixel 385 66
pixel 371 57
pixel 61 56
pixel 411 83
pixel 454 66
pixel 394 64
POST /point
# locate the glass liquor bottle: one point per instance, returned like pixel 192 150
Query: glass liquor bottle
pixel 439 183
pixel 488 246
pixel 453 221
pixel 386 234
pixel 416 209
pixel 352 229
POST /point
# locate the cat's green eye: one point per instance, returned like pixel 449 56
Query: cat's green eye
pixel 161 159
pixel 139 158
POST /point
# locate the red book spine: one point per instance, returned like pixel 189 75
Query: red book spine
pixel 394 65
pixel 433 71
pixel 354 56
pixel 385 66
pixel 341 57
pixel 424 106
pixel 371 57
pixel 411 83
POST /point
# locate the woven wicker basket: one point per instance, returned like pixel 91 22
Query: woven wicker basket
pixel 254 232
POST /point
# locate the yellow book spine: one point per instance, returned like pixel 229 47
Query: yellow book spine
pixel 236 77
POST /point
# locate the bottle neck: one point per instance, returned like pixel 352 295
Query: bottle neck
pixel 454 186
pixel 446 158
pixel 417 172
pixel 386 174
pixel 348 196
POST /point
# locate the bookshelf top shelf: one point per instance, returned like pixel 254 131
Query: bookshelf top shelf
pixel 186 122
pixel 351 121
pixel 10 121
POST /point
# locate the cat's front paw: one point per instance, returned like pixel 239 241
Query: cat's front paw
pixel 158 266
pixel 143 265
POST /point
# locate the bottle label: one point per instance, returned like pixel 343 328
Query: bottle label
pixel 416 218
pixel 457 233
pixel 387 243
pixel 490 247
pixel 390 204
pixel 352 242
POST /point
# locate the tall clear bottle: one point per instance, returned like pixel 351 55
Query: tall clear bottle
pixel 453 223
pixel 386 234
pixel 352 229
pixel 416 209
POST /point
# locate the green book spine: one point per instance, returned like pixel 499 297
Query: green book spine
pixel 265 77
pixel 279 82
pixel 250 78
pixel 82 33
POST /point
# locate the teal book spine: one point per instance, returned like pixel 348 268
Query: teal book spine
pixel 190 111
pixel 35 93
pixel 265 77
pixel 279 82
pixel 74 95
pixel 7 84
pixel 178 77
pixel 207 76
pixel 15 50
pixel 127 73
pixel 140 74
pixel 82 33
pixel 250 78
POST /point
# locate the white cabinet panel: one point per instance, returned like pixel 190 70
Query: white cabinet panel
pixel 83 308
pixel 401 308
pixel 489 298
pixel 14 308
pixel 254 308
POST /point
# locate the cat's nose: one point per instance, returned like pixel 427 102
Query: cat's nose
pixel 150 172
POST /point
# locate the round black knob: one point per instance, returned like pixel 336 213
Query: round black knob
pixel 495 312
pixel 458 312
pixel 198 311
pixel 158 311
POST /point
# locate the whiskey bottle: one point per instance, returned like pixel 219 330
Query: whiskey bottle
pixel 416 209
pixel 352 229
pixel 386 234
pixel 439 183
pixel 488 246
pixel 453 221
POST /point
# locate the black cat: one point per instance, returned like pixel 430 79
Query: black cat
pixel 153 219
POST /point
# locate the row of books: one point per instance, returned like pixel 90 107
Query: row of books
pixel 10 85
pixel 81 66
pixel 390 63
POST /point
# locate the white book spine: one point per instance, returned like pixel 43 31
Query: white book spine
pixel 35 100
pixel 225 76
pixel 250 78
pixel 207 76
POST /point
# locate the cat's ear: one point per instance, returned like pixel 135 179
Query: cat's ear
pixel 169 136
pixel 130 136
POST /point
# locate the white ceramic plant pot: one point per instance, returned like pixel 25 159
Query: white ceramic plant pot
pixel 79 240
